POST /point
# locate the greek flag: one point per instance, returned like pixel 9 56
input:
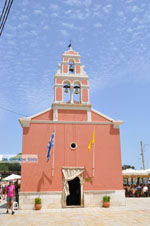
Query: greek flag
pixel 50 145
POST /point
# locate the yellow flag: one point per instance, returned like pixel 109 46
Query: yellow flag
pixel 93 138
pixel 92 141
pixel 89 146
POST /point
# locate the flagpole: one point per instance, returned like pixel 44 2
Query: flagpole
pixel 53 159
pixel 93 164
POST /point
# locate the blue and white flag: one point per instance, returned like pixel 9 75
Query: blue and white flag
pixel 50 145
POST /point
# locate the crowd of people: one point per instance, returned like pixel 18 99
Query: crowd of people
pixel 137 190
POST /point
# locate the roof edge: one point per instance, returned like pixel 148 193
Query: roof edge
pixel 116 123
pixel 103 115
pixel 25 121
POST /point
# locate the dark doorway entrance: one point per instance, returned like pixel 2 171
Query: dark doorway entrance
pixel 74 199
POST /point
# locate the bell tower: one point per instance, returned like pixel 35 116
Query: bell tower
pixel 71 85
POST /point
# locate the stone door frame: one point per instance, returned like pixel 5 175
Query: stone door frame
pixel 64 204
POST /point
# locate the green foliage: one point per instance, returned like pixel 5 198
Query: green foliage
pixel 6 167
pixel 106 198
pixel 37 201
pixel 14 167
pixel 124 167
pixel 18 156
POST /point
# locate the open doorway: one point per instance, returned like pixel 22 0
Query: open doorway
pixel 74 199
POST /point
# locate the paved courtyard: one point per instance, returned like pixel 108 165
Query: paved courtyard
pixel 136 212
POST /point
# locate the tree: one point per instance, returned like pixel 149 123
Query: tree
pixel 124 167
pixel 6 167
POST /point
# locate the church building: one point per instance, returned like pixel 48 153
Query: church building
pixel 77 148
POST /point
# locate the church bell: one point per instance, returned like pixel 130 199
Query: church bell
pixel 76 89
pixel 66 88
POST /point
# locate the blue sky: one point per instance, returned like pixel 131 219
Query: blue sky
pixel 112 37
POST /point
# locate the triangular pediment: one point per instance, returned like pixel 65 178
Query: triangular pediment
pixel 98 116
pixel 43 115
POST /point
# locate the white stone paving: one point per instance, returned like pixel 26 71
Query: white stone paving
pixel 135 213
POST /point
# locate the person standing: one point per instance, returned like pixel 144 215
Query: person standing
pixel 10 191
pixel 17 189
pixel 1 191
pixel 145 190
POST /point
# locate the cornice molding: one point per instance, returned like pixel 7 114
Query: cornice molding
pixel 70 106
pixel 72 85
pixel 66 63
pixel 117 123
pixel 70 76
pixel 71 56
pixel 69 122
pixel 25 122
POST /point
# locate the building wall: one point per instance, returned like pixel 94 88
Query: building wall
pixel 71 115
pixel 98 118
pixel 45 116
pixel 38 176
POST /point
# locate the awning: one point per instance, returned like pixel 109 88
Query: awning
pixel 12 177
pixel 135 173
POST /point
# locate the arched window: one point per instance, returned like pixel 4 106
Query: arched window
pixel 77 92
pixel 71 67
pixel 66 92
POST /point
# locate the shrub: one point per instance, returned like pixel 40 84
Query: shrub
pixel 106 198
pixel 38 201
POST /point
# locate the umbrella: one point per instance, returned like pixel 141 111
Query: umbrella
pixel 12 177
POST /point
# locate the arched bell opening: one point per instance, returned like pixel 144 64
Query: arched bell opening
pixel 71 67
pixel 66 92
pixel 77 92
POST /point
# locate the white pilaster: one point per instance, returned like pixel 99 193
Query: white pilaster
pixel 89 115
pixel 71 95
pixel 55 114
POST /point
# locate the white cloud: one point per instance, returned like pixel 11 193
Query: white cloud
pixel 107 8
pixel 38 95
pixel 61 43
pixel 46 27
pixel 54 7
pixel 100 82
pixel 33 32
pixel 97 7
pixel 121 13
pixel 3 104
pixel 55 15
pixel 37 11
pixel 25 2
pixel 64 32
pixel 129 30
pixel 72 2
pixel 78 2
pixel 129 1
pixel 98 25
pixel 23 17
pixel 11 42
pixel 69 25
pixel 78 14
pixel 135 19
pixel 135 9
pixel 87 2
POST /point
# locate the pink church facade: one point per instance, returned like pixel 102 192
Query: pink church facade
pixel 75 174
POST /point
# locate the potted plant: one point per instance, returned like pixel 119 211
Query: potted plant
pixel 37 203
pixel 106 201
